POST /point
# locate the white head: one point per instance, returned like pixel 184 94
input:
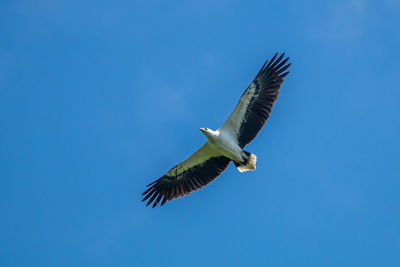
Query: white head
pixel 209 133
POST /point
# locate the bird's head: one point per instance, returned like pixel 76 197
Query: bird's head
pixel 208 132
pixel 205 131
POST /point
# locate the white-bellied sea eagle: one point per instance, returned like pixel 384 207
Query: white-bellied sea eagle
pixel 225 144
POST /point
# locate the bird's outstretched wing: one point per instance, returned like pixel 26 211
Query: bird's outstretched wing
pixel 255 105
pixel 195 172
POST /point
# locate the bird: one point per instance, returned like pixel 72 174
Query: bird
pixel 226 143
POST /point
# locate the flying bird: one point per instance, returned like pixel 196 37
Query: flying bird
pixel 225 144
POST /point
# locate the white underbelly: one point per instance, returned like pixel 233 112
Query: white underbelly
pixel 227 146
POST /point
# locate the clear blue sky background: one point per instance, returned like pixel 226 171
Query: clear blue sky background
pixel 98 99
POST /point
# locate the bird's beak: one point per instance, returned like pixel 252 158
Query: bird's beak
pixel 203 129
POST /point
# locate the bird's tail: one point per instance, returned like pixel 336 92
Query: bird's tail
pixel 249 164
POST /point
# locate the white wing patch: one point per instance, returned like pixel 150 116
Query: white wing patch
pixel 200 156
pixel 237 117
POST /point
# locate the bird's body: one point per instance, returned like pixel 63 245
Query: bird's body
pixel 225 144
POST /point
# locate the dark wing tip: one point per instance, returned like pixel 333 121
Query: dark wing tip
pixel 274 65
pixel 152 183
pixel 163 201
pixel 283 75
pixel 276 70
pixel 153 193
pixel 271 61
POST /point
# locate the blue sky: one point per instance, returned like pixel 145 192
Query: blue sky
pixel 98 99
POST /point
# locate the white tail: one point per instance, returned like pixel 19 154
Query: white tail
pixel 251 166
